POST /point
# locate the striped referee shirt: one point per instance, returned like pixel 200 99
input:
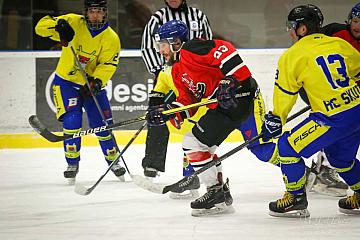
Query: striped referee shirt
pixel 196 21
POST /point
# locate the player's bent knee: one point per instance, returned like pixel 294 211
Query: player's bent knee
pixel 72 120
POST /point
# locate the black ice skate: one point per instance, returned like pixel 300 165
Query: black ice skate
pixel 324 180
pixel 150 172
pixel 293 206
pixel 119 171
pixel 212 202
pixel 350 204
pixel 328 183
pixel 70 173
pixel 188 189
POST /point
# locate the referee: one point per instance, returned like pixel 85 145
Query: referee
pixel 157 136
pixel 196 21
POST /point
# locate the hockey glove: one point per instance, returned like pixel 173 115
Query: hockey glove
pixel 272 127
pixel 155 117
pixel 95 87
pixel 226 94
pixel 66 32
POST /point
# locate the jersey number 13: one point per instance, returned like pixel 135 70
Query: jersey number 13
pixel 343 81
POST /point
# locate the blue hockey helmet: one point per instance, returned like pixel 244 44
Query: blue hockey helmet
pixel 354 13
pixel 172 30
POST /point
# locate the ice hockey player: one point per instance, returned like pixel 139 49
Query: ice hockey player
pixel 157 137
pixel 327 181
pixel 97 46
pixel 333 124
pixel 165 92
pixel 321 177
pixel 206 69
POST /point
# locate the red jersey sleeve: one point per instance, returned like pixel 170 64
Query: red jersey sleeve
pixel 226 57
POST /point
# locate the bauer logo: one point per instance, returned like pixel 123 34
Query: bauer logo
pixel 127 90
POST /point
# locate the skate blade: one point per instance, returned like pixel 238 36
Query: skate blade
pixel 292 214
pixel 188 194
pixel 333 192
pixel 350 211
pixel 146 184
pixel 71 181
pixel 310 181
pixel 219 209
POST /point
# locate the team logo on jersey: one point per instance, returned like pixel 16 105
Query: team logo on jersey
pixel 83 59
pixel 197 90
pixel 194 26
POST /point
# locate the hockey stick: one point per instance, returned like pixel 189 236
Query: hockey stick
pixel 82 190
pixel 162 189
pixel 43 131
pixel 83 74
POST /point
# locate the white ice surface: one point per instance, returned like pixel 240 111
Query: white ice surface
pixel 36 203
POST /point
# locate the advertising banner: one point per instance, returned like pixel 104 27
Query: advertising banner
pixel 127 90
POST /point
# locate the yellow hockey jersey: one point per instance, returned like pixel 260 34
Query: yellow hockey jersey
pixel 327 68
pixel 99 55
pixel 165 82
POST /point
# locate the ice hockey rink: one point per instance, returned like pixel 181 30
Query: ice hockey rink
pixel 36 202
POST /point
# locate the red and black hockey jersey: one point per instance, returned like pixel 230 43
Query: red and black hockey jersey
pixel 201 66
pixel 341 31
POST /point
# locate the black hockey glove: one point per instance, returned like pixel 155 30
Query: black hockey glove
pixel 227 90
pixel 155 117
pixel 66 32
pixel 272 127
pixel 95 87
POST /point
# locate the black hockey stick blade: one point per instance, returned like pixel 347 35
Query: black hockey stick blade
pixel 43 131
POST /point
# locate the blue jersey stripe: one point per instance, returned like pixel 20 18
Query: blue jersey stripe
pixel 285 91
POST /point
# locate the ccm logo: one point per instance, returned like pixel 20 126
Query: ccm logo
pixel 90 131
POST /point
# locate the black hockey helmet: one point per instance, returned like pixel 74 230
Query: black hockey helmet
pixel 309 15
pixel 96 4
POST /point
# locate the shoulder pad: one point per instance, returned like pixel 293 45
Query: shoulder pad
pixel 333 28
pixel 199 46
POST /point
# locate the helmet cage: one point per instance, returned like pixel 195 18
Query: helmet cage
pixel 97 25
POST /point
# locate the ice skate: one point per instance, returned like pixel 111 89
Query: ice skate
pixel 70 173
pixel 292 206
pixel 328 183
pixel 119 171
pixel 150 173
pixel 188 190
pixel 310 177
pixel 213 202
pixel 350 204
